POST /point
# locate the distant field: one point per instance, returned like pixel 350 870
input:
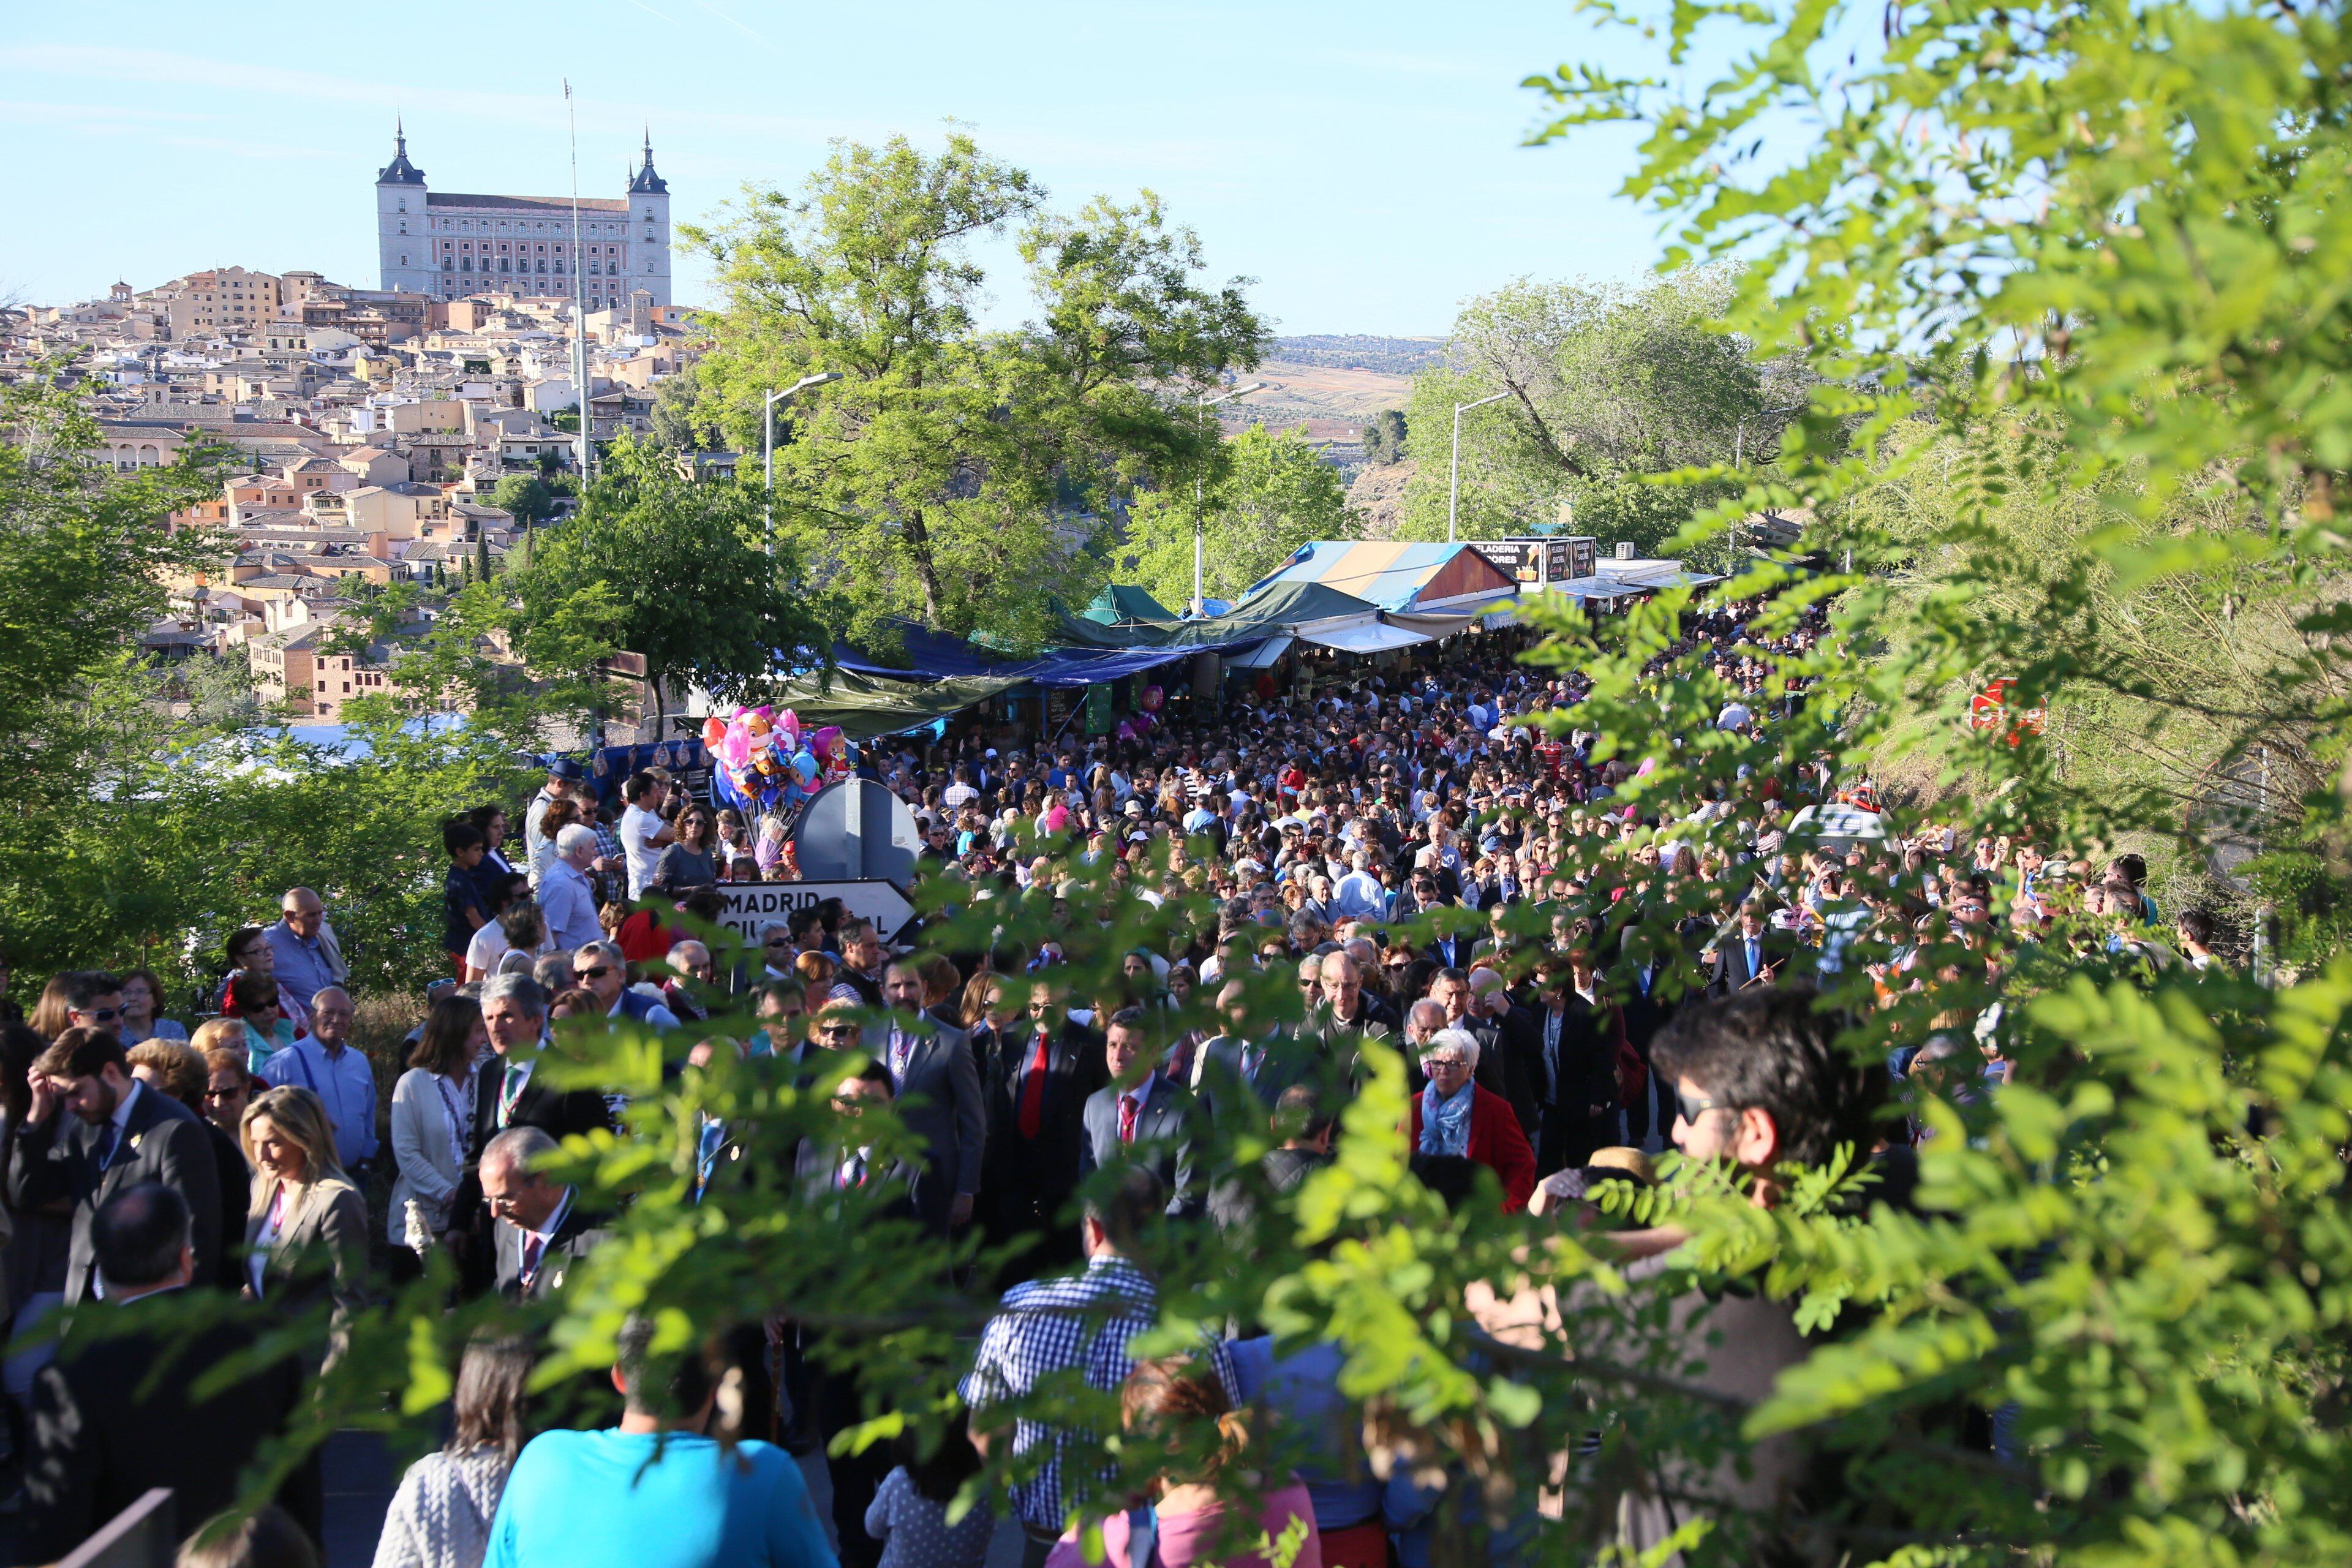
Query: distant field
pixel 1317 395
pixel 1389 356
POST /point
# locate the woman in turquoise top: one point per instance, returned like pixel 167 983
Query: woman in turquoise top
pixel 254 998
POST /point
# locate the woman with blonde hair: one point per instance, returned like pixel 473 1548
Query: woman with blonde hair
pixel 306 1236
pixel 1177 1406
pixel 52 1014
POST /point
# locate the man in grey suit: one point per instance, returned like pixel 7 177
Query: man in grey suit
pixel 120 1133
pixel 1236 1077
pixel 937 1086
pixel 1144 1117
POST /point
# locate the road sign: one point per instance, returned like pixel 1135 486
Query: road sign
pixel 748 905
pixel 854 829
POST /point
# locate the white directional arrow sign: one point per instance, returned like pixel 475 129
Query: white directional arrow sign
pixel 751 905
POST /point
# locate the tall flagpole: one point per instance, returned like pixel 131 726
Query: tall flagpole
pixel 583 454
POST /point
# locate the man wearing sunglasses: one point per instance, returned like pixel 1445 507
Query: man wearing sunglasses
pixel 1760 1081
pixel 94 1000
pixel 777 953
pixel 1759 1085
pixel 604 973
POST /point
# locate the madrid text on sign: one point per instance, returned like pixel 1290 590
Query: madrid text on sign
pixel 752 905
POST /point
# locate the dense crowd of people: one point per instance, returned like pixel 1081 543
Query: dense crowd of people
pixel 1576 973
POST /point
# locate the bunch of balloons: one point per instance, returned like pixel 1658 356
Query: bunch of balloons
pixel 1136 726
pixel 759 759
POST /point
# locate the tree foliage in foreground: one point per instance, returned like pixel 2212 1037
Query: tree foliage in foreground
pixel 131 837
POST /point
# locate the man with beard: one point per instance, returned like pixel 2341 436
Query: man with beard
pixel 120 1133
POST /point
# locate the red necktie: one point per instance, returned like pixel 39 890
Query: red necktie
pixel 531 1251
pixel 1032 1091
pixel 1127 1109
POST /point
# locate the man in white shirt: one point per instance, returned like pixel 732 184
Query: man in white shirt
pixel 1359 895
pixel 643 832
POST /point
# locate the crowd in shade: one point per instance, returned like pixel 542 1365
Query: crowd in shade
pixel 1395 838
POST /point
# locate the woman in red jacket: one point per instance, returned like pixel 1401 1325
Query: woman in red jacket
pixel 1454 1116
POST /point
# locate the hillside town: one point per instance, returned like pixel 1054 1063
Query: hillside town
pixel 368 429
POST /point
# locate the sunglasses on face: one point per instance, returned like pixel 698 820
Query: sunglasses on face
pixel 104 1014
pixel 1692 1107
pixel 836 1030
pixel 780 942
pixel 594 971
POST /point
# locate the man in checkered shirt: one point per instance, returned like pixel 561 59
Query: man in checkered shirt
pixel 1081 1324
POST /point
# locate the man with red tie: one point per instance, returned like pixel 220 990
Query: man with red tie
pixel 542 1235
pixel 1142 1116
pixel 1038 1080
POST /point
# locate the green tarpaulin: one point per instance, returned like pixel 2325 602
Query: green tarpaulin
pixel 868 705
pixel 1280 607
pixel 1122 602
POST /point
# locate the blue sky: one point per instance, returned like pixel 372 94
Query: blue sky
pixel 1360 161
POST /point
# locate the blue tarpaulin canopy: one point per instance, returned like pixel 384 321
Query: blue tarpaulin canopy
pixel 937 656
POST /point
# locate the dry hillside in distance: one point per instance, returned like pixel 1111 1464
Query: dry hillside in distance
pixel 1331 385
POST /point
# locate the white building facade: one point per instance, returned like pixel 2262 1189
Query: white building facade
pixel 450 244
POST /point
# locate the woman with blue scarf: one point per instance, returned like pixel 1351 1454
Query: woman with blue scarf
pixel 1454 1116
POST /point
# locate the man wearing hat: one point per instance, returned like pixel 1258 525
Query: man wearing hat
pixel 562 775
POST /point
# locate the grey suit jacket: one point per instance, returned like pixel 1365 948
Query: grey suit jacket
pixel 940 1100
pixel 322 1250
pixel 162 1142
pixel 1163 1138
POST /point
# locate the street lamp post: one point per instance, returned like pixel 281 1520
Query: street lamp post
pixel 1454 469
pixel 1198 603
pixel 1739 448
pixel 767 439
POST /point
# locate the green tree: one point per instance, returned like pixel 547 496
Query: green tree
pixel 524 496
pixel 678 424
pixel 1601 385
pixel 130 837
pixel 691 586
pixel 1384 437
pixel 1268 495
pixel 956 475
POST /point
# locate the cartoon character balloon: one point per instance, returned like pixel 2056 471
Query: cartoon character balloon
pixel 757 759
pixel 834 756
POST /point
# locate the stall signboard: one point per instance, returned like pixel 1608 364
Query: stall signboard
pixel 1516 558
pixel 746 907
pixel 1538 560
